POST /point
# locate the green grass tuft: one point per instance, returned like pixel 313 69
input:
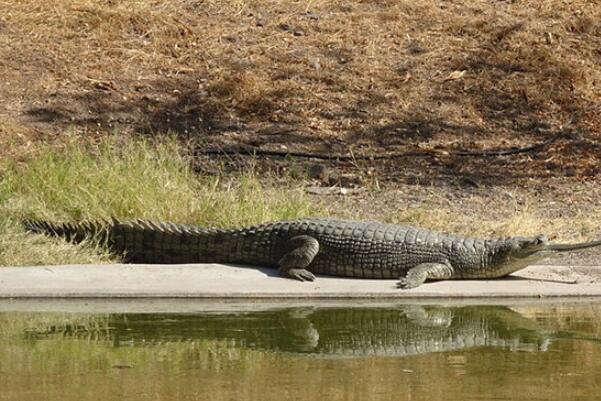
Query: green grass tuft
pixel 126 179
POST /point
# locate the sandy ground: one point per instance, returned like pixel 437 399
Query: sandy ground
pixel 213 281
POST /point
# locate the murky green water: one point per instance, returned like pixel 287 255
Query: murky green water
pixel 534 352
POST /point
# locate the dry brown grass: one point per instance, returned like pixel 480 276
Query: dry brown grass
pixel 371 76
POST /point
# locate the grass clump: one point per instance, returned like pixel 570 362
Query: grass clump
pixel 114 178
pixel 125 178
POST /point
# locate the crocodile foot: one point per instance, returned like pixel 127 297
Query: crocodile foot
pixel 406 283
pixel 300 274
pixel 417 275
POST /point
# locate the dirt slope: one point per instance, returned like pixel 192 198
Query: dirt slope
pixel 367 77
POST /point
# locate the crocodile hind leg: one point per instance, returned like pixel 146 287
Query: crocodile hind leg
pixel 425 271
pixel 300 253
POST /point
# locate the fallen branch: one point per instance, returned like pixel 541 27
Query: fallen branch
pixel 251 151
pixel 513 151
pixel 561 133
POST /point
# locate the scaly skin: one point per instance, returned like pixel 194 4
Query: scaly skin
pixel 344 248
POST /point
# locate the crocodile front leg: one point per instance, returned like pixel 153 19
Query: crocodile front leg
pixel 417 275
pixel 301 251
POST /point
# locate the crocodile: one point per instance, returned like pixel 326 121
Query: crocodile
pixel 301 248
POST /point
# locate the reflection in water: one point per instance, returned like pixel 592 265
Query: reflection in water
pixel 339 332
pixel 344 332
pixel 403 352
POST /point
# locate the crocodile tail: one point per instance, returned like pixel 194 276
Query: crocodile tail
pixel 73 232
pixel 143 241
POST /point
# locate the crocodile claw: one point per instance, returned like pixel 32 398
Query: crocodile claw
pixel 301 274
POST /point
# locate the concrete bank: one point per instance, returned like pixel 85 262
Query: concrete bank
pixel 223 282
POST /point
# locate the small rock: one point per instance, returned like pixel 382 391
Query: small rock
pixel 321 190
pixel 333 190
pixel 318 172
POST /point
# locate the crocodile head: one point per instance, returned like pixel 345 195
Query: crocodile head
pixel 518 252
pixel 525 247
pixel 515 253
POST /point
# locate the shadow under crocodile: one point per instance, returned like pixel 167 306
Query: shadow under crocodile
pixel 273 272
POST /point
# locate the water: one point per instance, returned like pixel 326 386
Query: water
pixel 401 352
